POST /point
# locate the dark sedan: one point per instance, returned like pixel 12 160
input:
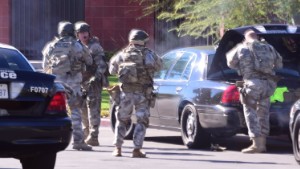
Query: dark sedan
pixel 34 124
pixel 196 92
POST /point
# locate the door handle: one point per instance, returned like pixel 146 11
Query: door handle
pixel 178 89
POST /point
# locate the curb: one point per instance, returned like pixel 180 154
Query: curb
pixel 105 122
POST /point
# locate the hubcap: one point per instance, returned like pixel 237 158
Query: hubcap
pixel 190 125
pixel 298 141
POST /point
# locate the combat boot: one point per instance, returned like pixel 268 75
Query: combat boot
pixel 117 152
pixel 92 141
pixel 82 146
pixel 258 146
pixel 136 153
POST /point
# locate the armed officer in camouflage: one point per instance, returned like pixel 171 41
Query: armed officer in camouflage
pixel 94 79
pixel 259 84
pixel 65 57
pixel 135 66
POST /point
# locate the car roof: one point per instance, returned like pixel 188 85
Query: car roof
pixel 202 49
pixel 6 46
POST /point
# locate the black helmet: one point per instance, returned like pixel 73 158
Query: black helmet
pixel 137 36
pixel 65 28
pixel 82 27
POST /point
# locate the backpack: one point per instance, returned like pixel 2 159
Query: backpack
pixel 263 56
pixel 132 68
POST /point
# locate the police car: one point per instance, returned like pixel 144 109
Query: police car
pixel 34 124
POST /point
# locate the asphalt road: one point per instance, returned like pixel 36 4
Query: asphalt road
pixel 165 151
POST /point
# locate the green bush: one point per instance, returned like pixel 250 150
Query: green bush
pixel 113 80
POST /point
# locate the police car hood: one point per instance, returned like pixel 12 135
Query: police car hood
pixel 284 38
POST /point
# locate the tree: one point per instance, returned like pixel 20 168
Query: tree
pixel 204 18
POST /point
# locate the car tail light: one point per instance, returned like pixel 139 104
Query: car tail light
pixel 231 95
pixel 57 104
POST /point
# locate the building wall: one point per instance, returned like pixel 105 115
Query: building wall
pixel 112 20
pixel 5 26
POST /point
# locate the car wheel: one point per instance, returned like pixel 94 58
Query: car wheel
pixel 296 139
pixel 44 161
pixel 193 135
pixel 113 120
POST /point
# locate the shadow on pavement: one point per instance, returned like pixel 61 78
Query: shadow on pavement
pixel 275 144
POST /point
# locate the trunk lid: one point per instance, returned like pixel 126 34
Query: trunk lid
pixel 27 92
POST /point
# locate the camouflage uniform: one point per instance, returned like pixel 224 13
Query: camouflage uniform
pixel 94 79
pixel 134 94
pixel 255 95
pixel 64 57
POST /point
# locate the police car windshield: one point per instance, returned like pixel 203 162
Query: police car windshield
pixel 13 60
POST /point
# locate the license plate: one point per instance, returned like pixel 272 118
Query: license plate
pixel 3 91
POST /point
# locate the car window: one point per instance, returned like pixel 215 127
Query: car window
pixel 187 71
pixel 182 69
pixel 13 60
pixel 168 61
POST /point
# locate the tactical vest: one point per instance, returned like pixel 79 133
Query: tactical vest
pixel 133 69
pixel 59 56
pixel 62 59
pixel 91 69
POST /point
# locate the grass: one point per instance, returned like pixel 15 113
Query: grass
pixel 105 97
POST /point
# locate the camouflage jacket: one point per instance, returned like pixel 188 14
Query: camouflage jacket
pixel 71 50
pixel 240 58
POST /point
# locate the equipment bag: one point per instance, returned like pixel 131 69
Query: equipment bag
pixel 263 56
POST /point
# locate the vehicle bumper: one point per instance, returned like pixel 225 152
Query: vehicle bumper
pixel 221 121
pixel 28 136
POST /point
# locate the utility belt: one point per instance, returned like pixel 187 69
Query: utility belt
pixel 146 89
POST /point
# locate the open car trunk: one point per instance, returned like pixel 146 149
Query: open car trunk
pixel 286 40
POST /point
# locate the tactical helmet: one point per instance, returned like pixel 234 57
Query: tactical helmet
pixel 137 36
pixel 65 28
pixel 82 27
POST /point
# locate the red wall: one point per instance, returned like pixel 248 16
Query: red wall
pixel 5 26
pixel 111 21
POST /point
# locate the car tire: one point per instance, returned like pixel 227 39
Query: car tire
pixel 113 120
pixel 296 139
pixel 193 135
pixel 44 161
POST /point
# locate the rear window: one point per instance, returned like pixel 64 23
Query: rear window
pixel 221 70
pixel 13 60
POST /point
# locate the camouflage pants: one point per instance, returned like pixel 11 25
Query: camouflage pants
pixel 123 114
pixel 91 107
pixel 74 103
pixel 256 104
pixel 74 98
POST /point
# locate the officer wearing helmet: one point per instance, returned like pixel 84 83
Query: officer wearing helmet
pixel 94 79
pixel 65 57
pixel 135 66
